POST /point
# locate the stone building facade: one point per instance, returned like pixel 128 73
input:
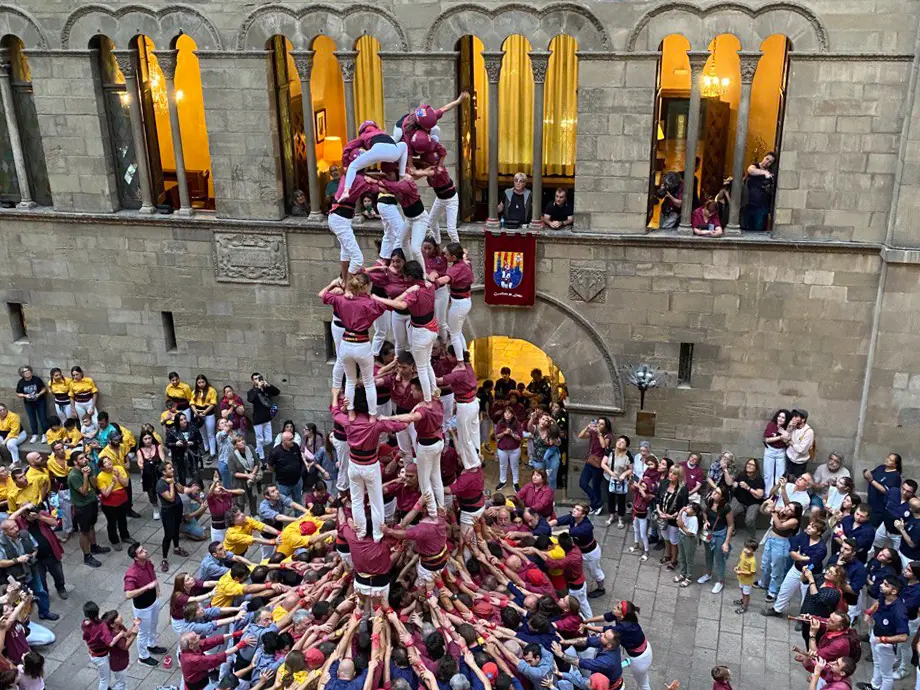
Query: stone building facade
pixel 824 313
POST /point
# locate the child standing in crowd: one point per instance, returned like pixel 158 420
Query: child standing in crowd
pixel 688 523
pixel 745 570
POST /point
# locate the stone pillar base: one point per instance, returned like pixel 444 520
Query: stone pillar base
pixel 493 223
pixel 147 209
pixel 685 229
pixel 316 217
pixel 186 212
pixel 732 229
pixel 26 204
pixel 536 224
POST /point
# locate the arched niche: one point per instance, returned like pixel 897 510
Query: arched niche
pixel 163 26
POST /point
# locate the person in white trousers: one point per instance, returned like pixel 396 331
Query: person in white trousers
pixel 99 639
pixel 807 551
pixel 11 430
pixel 415 225
pixel 398 375
pixel 462 380
pixel 435 267
pixel 624 617
pixel 428 418
pixel 910 595
pixel 508 437
pixel 890 627
pixel 259 396
pixel 460 278
pixel 378 147
pixel 774 449
pixel 897 507
pixel 392 221
pixel 143 589
pixel 394 282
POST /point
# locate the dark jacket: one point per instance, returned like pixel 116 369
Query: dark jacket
pixel 21 572
pixel 260 399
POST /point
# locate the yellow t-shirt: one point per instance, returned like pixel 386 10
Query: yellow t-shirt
pixel 59 468
pixel 292 539
pixel 200 402
pixel 118 456
pixel 181 394
pixel 299 676
pixel 34 492
pixel 10 426
pixel 106 479
pixel 61 390
pixel 747 567
pixel 226 591
pixel 68 438
pixel 55 435
pixel 239 538
pixel 84 388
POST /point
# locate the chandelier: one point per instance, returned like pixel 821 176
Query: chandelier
pixel 711 86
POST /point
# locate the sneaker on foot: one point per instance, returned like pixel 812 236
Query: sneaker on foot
pixel 95 548
pixel 770 597
pixel 500 486
pixel 117 547
pixel 644 557
pixel 134 514
pixel 181 552
pixel 149 661
pixel 757 585
pixel 157 650
pixel 33 438
pixel 621 524
pixel 900 674
pixel 164 566
pixel 62 594
pixel 130 542
pixel 599 592
pixel 769 611
pixel 678 579
pixel 610 521
pixel 44 438
pixel 703 579
pixel 156 514
pixel 91 562
pixel 49 616
pixel 740 609
pixel 517 488
pixel 717 587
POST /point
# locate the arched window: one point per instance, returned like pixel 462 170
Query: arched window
pixel 23 182
pixel 289 106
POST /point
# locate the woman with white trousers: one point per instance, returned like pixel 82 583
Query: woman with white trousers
pixel 774 449
pixel 460 278
pixel 464 384
pixel 394 282
pixel 626 623
pixel 376 146
pixel 435 268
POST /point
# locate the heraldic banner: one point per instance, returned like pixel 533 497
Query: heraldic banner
pixel 510 269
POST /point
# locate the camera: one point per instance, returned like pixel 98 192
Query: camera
pixel 670 184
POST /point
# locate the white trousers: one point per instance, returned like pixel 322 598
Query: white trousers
pixel 429 474
pixel 640 666
pixel 338 369
pixel 421 340
pixel 83 408
pixel 441 302
pixel 349 249
pixel 341 452
pixel 592 565
pixel 791 584
pixel 354 355
pixel 904 651
pixel 413 234
pixel 400 325
pixel 406 440
pixel 378 153
pixel 468 434
pixel 392 221
pixel 210 433
pixel 883 537
pixel 147 635
pixel 63 411
pixel 264 438
pixel 581 596
pixel 366 479
pixel 450 208
pixel 12 444
pixel 640 532
pixel 448 402
pixel 883 663
pixel 64 507
pixel 107 675
pixel 218 534
pixel 774 465
pixel 456 315
pixel 506 459
pixel 382 329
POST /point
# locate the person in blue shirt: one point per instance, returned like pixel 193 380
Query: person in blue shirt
pixel 909 529
pixel 536 663
pixel 857 527
pixel 401 668
pixel 808 551
pixel 910 595
pixel 625 619
pixel 582 532
pixel 886 563
pixel 889 629
pixel 897 507
pixel 205 621
pixel 607 661
pixel 537 629
pixel 856 578
pixel 215 563
pixel 884 478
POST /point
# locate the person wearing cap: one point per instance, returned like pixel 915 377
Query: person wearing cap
pixel 801 439
pixel 378 147
pixel 195 664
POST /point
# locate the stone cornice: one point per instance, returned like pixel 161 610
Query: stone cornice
pixel 233 54
pixel 45 52
pixel 614 55
pixel 850 57
pixel 417 55
pixel 898 255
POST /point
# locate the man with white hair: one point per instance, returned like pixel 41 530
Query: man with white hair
pixel 196 664
pixel 516 205
pixel 288 465
pixel 459 682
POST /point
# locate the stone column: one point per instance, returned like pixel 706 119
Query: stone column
pixel 749 60
pixel 539 60
pixel 127 63
pixel 304 63
pixel 493 62
pixel 697 62
pixel 347 61
pixel 12 126
pixel 167 61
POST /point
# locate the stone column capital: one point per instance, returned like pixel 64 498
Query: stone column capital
pixel 127 62
pixel 303 61
pixel 167 61
pixel 698 60
pixel 749 61
pixel 347 61
pixel 539 61
pixel 493 62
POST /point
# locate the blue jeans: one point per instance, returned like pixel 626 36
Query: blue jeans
pixel 774 563
pixel 590 483
pixel 41 594
pixel 38 417
pixel 293 491
pixel 223 469
pixel 551 462
pixel 715 556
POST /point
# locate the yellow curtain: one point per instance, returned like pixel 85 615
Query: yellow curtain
pixel 328 91
pixel 560 108
pixel 481 101
pixel 515 96
pixel 368 81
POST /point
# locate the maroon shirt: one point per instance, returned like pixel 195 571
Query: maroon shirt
pixel 508 442
pixel 430 537
pixel 196 664
pixel 178 602
pixel 438 264
pixel 463 382
pixel 357 314
pixel 370 557
pixel 120 654
pixel 219 506
pixel 432 421
pixel 137 576
pixel 468 489
pixel 401 394
pixel 421 305
pixel 572 567
pixel 408 193
pixel 406 498
pixel 363 435
pixel 539 499
pixel 450 461
pixel 461 278
pixel 97 637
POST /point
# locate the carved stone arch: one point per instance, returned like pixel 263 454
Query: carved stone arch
pixel 752 26
pixel 162 26
pixel 345 27
pixel 15 22
pixel 539 26
pixel 566 336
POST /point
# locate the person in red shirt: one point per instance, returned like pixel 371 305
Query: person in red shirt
pixel 405 490
pixel 99 640
pixel 398 377
pixel 573 571
pixel 119 647
pixel 429 537
pixel 468 490
pixel 449 465
pixel 343 212
pixel 416 224
pixel 143 588
pixel 447 201
pixel 423 326
pixel 435 267
pixel 377 147
pixel 364 475
pixel 196 664
pixel 358 311
pixel 462 379
pixel 372 560
pixel 428 418
pixel 443 363
pixel 393 282
pixel 460 278
pixel 508 436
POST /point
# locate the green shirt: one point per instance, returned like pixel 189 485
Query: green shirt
pixel 75 484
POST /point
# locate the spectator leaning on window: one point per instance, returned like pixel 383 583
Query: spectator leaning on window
pixel 705 220
pixel 515 206
pixel 559 214
pixel 761 185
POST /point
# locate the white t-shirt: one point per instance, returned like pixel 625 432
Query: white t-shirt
pixel 834 499
pixel 800 497
pixel 690 523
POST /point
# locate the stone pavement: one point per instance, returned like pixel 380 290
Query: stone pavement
pixel 690 629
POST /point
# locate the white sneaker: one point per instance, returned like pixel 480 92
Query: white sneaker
pixel 703 579
pixel 717 587
pixel 900 674
pixel 34 439
pixel 44 438
pixel 156 514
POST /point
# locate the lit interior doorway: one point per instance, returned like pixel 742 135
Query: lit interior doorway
pixel 488 356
